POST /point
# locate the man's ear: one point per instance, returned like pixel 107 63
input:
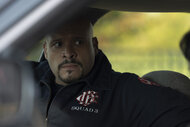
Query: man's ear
pixel 45 49
pixel 95 44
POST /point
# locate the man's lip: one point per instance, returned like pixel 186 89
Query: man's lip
pixel 69 65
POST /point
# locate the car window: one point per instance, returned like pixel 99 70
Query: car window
pixel 143 42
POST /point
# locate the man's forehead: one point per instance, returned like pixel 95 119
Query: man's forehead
pixel 80 29
pixel 67 35
pixel 75 24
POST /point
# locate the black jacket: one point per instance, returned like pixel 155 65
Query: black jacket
pixel 106 98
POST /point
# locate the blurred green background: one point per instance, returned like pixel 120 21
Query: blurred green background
pixel 140 42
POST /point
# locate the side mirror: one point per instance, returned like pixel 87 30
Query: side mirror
pixel 17 95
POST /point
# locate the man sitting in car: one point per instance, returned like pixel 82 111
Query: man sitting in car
pixel 80 89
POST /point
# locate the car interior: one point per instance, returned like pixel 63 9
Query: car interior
pixel 24 24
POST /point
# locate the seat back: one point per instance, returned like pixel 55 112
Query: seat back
pixel 170 79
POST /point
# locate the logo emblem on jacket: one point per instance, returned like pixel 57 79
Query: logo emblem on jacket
pixel 88 97
pixel 148 82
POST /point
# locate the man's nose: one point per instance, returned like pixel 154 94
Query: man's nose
pixel 69 52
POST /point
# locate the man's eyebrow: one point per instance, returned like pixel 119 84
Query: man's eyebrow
pixel 57 39
pixel 79 37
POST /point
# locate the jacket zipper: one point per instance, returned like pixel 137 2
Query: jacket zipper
pixel 49 98
pixel 49 104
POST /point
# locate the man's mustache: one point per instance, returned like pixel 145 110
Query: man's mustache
pixel 69 62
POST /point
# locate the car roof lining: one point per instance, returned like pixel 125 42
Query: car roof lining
pixel 144 5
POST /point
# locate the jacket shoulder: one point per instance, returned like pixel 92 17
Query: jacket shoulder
pixel 133 79
pixel 39 68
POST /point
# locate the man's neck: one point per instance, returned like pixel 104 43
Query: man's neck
pixel 61 83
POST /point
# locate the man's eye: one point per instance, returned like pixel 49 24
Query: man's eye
pixel 78 42
pixel 57 44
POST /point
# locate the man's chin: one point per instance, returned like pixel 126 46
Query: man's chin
pixel 69 76
pixel 69 79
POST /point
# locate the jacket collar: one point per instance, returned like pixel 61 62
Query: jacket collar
pixel 98 78
pixel 100 75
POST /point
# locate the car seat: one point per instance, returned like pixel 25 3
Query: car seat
pixel 170 79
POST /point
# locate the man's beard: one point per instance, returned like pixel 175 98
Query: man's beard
pixel 70 79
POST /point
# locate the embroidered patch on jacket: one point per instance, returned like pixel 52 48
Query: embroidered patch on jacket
pixel 88 97
pixel 148 82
